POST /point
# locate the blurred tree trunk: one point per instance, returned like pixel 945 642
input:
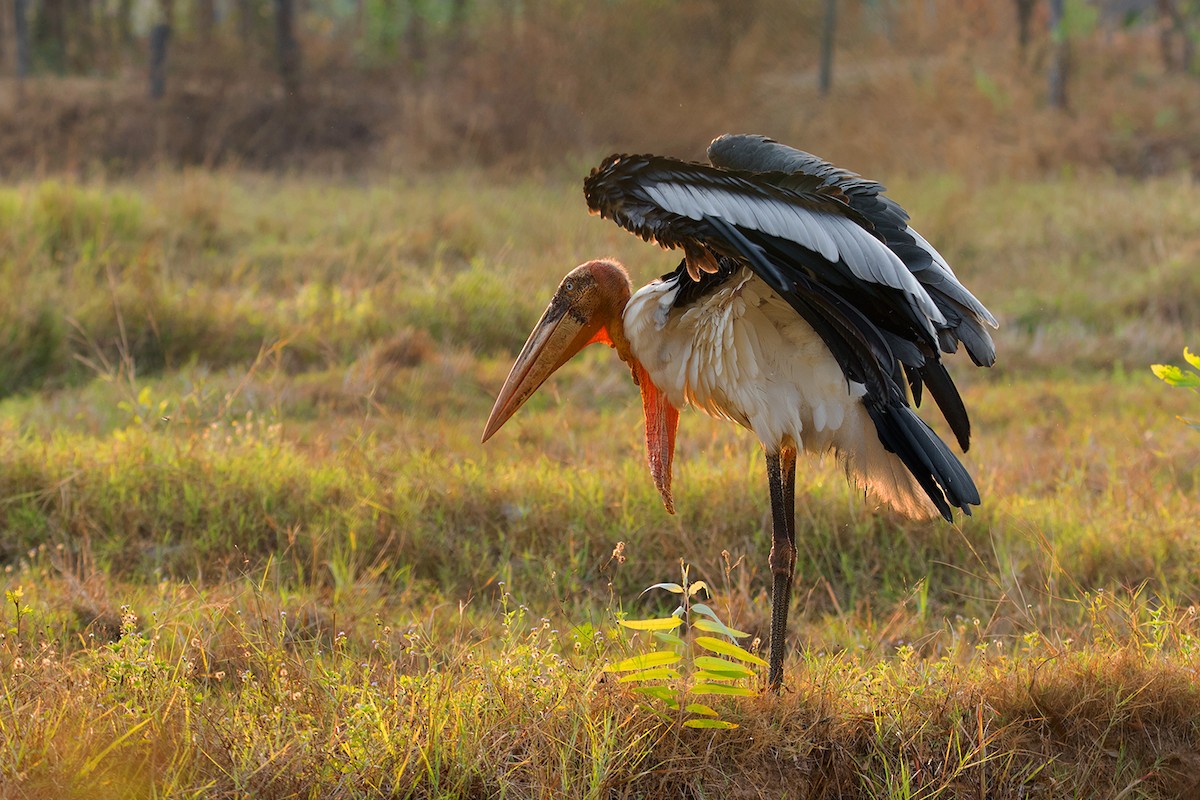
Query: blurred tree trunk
pixel 882 13
pixel 167 9
pixel 414 36
pixel 458 17
pixel 160 40
pixel 50 33
pixel 287 51
pixel 160 37
pixel 1060 59
pixel 1024 24
pixel 245 20
pixel 124 23
pixel 21 32
pixel 456 46
pixel 206 19
pixel 384 28
pixel 828 29
pixel 1176 39
pixel 81 21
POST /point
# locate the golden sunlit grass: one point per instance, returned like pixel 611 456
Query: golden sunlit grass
pixel 252 546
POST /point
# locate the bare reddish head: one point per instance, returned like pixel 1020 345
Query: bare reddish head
pixel 588 308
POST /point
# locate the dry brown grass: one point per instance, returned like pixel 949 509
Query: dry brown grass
pixel 241 689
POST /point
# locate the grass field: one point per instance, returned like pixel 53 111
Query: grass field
pixel 252 546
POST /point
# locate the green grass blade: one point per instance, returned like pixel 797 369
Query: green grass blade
pixel 709 723
pixel 95 760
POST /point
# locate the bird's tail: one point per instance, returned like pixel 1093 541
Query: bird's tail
pixel 909 467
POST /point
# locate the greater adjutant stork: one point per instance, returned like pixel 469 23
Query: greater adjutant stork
pixel 805 309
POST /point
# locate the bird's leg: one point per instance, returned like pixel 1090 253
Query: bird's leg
pixel 781 475
pixel 787 477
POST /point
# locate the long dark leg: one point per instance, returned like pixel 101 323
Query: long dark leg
pixel 781 475
pixel 787 476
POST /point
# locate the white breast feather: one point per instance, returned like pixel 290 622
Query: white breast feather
pixel 742 353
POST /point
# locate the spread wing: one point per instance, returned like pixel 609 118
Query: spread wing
pixel 802 233
pixel 965 316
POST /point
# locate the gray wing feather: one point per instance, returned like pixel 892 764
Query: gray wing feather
pixel 959 292
pixel 834 237
pixel 759 154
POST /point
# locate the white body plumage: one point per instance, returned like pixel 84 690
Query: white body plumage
pixel 742 353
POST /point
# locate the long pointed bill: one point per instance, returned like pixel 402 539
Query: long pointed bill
pixel 662 420
pixel 557 336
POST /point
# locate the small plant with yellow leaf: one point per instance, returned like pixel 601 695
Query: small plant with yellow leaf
pixel 1183 378
pixel 692 655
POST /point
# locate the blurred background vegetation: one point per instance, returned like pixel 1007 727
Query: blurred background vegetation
pixel 986 88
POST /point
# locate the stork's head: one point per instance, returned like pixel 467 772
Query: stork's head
pixel 588 308
pixel 585 309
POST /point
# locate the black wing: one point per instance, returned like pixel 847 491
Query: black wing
pixel 967 318
pixel 802 236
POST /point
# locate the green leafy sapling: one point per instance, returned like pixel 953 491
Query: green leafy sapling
pixel 706 660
